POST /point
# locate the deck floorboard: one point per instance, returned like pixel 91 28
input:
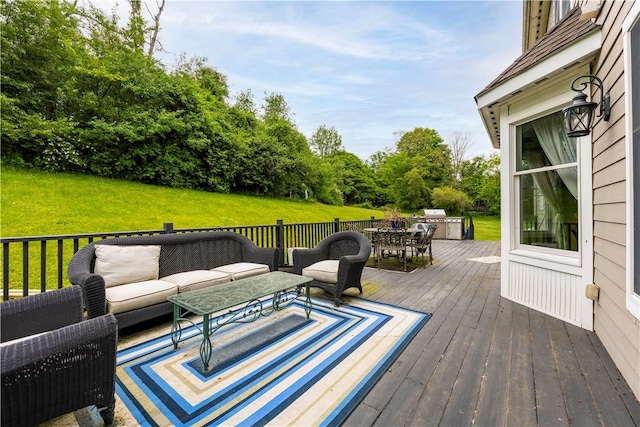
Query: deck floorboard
pixel 486 361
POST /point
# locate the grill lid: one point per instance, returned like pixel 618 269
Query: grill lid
pixel 434 213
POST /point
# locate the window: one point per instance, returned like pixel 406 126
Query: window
pixel 631 37
pixel 547 179
pixel 560 9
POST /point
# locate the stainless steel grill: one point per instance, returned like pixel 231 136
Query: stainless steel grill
pixel 451 228
pixel 437 217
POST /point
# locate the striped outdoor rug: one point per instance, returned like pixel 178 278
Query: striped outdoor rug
pixel 279 370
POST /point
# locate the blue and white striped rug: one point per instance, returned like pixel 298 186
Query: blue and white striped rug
pixel 279 370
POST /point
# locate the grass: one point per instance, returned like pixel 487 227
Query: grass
pixel 35 203
pixel 486 227
pixel 38 203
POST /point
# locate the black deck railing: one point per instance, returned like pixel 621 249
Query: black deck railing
pixel 35 264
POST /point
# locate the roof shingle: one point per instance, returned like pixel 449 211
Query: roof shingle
pixel 569 29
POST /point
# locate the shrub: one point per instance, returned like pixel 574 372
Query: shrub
pixel 453 201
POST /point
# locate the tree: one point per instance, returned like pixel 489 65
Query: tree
pixel 459 145
pixel 155 29
pixel 353 178
pixel 480 179
pixel 453 201
pixel 136 24
pixel 208 78
pixel 137 28
pixel 40 47
pixel 416 193
pixel 275 107
pixel 245 102
pixel 421 152
pixel 326 141
pixel 81 93
pixel 421 141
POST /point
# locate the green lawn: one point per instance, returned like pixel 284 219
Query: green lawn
pixel 486 227
pixel 37 203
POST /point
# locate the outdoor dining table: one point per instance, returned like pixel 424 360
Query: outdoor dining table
pixel 391 242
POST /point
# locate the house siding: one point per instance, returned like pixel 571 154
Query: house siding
pixel 618 329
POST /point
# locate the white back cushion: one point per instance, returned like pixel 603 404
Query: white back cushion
pixel 125 264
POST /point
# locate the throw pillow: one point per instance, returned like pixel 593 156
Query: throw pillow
pixel 125 264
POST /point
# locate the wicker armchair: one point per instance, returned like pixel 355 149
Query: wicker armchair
pixel 349 250
pixel 53 362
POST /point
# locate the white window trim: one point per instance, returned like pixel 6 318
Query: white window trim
pixel 633 299
pixel 541 109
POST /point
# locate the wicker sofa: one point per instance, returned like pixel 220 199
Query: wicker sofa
pixel 53 362
pixel 122 280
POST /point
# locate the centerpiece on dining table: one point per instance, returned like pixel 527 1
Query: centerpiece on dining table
pixel 393 219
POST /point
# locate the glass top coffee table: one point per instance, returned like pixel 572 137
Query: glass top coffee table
pixel 246 293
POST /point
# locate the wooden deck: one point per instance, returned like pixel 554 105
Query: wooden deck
pixel 485 361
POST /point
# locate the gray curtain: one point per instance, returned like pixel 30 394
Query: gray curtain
pixel 558 148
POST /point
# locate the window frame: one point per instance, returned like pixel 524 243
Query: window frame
pixel 632 21
pixel 562 255
pixel 559 9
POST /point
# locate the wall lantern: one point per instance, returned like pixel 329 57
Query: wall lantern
pixel 578 117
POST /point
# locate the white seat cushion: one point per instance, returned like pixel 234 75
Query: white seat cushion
pixel 135 295
pixel 126 264
pixel 197 279
pixel 240 270
pixel 323 271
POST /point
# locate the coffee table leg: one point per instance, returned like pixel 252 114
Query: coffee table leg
pixel 307 302
pixel 205 347
pixel 176 329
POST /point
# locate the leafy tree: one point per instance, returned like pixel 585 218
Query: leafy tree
pixel 276 107
pixel 135 29
pixel 377 159
pixel 353 178
pixel 245 102
pixel 453 201
pixel 416 192
pixel 326 141
pixel 421 141
pixel 480 179
pixel 37 81
pixel 422 153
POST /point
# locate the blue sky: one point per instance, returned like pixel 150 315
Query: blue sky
pixel 368 69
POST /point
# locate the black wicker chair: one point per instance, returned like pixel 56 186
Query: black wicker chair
pixel 421 244
pixel 350 248
pixel 58 362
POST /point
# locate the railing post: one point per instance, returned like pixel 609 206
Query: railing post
pixel 336 225
pixel 280 239
pixel 373 221
pixel 168 227
pixel 469 235
pixel 5 271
